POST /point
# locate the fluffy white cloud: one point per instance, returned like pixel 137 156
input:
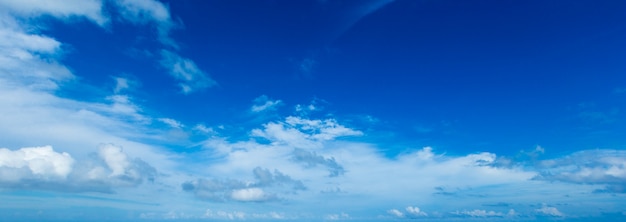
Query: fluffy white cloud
pixel 63 9
pixel 249 194
pixel 415 211
pixel 43 168
pixel 42 163
pixel 184 70
pixel 396 213
pixel 550 211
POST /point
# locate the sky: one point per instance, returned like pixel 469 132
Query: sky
pixel 312 110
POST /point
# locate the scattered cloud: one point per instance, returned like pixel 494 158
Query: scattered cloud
pixel 267 186
pixel 184 70
pixel 263 103
pixel 45 169
pixel 549 211
pixel 396 213
pixel 311 159
pixel 604 167
pixel 415 211
pixel 65 9
pixel 482 213
pixel 171 123
pixel 142 12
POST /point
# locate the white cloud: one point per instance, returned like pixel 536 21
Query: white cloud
pixel 42 163
pixel 45 169
pixel 184 70
pixel 479 213
pixel 27 58
pixel 64 9
pixel 249 194
pixel 263 103
pixel 607 167
pixel 149 11
pixel 415 211
pixel 171 122
pixel 115 159
pixel 121 84
pixel 396 213
pixel 550 211
pixel 303 133
pixel 204 129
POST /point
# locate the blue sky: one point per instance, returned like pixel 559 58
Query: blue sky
pixel 312 110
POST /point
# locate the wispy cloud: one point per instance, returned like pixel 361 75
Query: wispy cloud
pixel 184 70
pixel 65 9
pixel 263 103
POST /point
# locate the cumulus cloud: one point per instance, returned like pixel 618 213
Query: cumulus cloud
pixel 43 168
pixel 249 194
pixel 263 103
pixel 184 70
pixel 396 213
pixel 549 211
pixel 34 163
pixel 415 211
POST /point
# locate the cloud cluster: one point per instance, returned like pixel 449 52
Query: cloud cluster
pixel 410 212
pixel 605 167
pixel 300 132
pixel 41 163
pixel 266 187
pixel 43 168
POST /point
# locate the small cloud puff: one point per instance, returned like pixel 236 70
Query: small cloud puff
pixel 171 123
pixel 396 213
pixel 549 211
pixel 264 103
